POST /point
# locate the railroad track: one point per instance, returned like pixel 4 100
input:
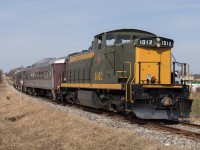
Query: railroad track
pixel 173 130
pixel 8 80
pixel 144 123
pixel 189 124
pixel 155 125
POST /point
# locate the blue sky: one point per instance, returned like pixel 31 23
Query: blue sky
pixel 34 29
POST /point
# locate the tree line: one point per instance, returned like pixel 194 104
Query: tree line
pixel 1 73
pixel 12 71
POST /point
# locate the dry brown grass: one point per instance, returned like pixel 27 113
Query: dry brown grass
pixel 32 125
pixel 195 114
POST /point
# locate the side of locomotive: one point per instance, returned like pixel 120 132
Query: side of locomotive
pixel 127 70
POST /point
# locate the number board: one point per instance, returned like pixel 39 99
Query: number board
pixel 155 42
pixel 167 42
pixel 146 42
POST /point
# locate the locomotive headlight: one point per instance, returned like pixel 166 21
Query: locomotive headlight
pixel 166 101
pixel 158 44
pixel 158 39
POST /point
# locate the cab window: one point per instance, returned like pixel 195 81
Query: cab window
pixel 110 39
pixel 99 42
pixel 121 38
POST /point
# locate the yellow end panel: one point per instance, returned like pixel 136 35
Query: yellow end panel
pixel 149 59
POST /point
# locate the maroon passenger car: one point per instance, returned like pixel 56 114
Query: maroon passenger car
pixel 43 77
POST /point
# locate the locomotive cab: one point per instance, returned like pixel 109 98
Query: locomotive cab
pixel 114 51
pixel 141 62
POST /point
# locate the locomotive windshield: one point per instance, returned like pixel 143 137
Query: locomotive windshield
pixel 117 39
pixel 121 38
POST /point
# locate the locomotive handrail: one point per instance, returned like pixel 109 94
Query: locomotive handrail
pixel 121 75
pixel 128 77
pixel 189 80
pixel 132 101
pixel 183 73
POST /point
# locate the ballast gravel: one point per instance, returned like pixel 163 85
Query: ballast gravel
pixel 166 138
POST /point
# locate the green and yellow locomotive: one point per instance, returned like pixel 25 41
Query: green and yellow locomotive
pixel 127 70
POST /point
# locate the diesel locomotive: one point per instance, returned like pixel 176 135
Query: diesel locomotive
pixel 125 70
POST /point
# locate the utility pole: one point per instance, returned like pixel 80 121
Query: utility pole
pixel 21 83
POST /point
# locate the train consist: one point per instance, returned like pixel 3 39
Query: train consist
pixel 124 70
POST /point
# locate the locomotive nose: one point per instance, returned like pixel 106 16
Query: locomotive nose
pixel 166 101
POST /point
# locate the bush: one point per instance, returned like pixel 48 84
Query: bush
pixel 196 106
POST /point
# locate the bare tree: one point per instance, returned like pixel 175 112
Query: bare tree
pixel 12 71
pixel 1 73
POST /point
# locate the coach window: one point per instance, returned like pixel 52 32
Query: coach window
pixel 42 74
pixel 45 74
pixel 50 74
pixel 37 75
pixel 31 75
pixel 110 39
